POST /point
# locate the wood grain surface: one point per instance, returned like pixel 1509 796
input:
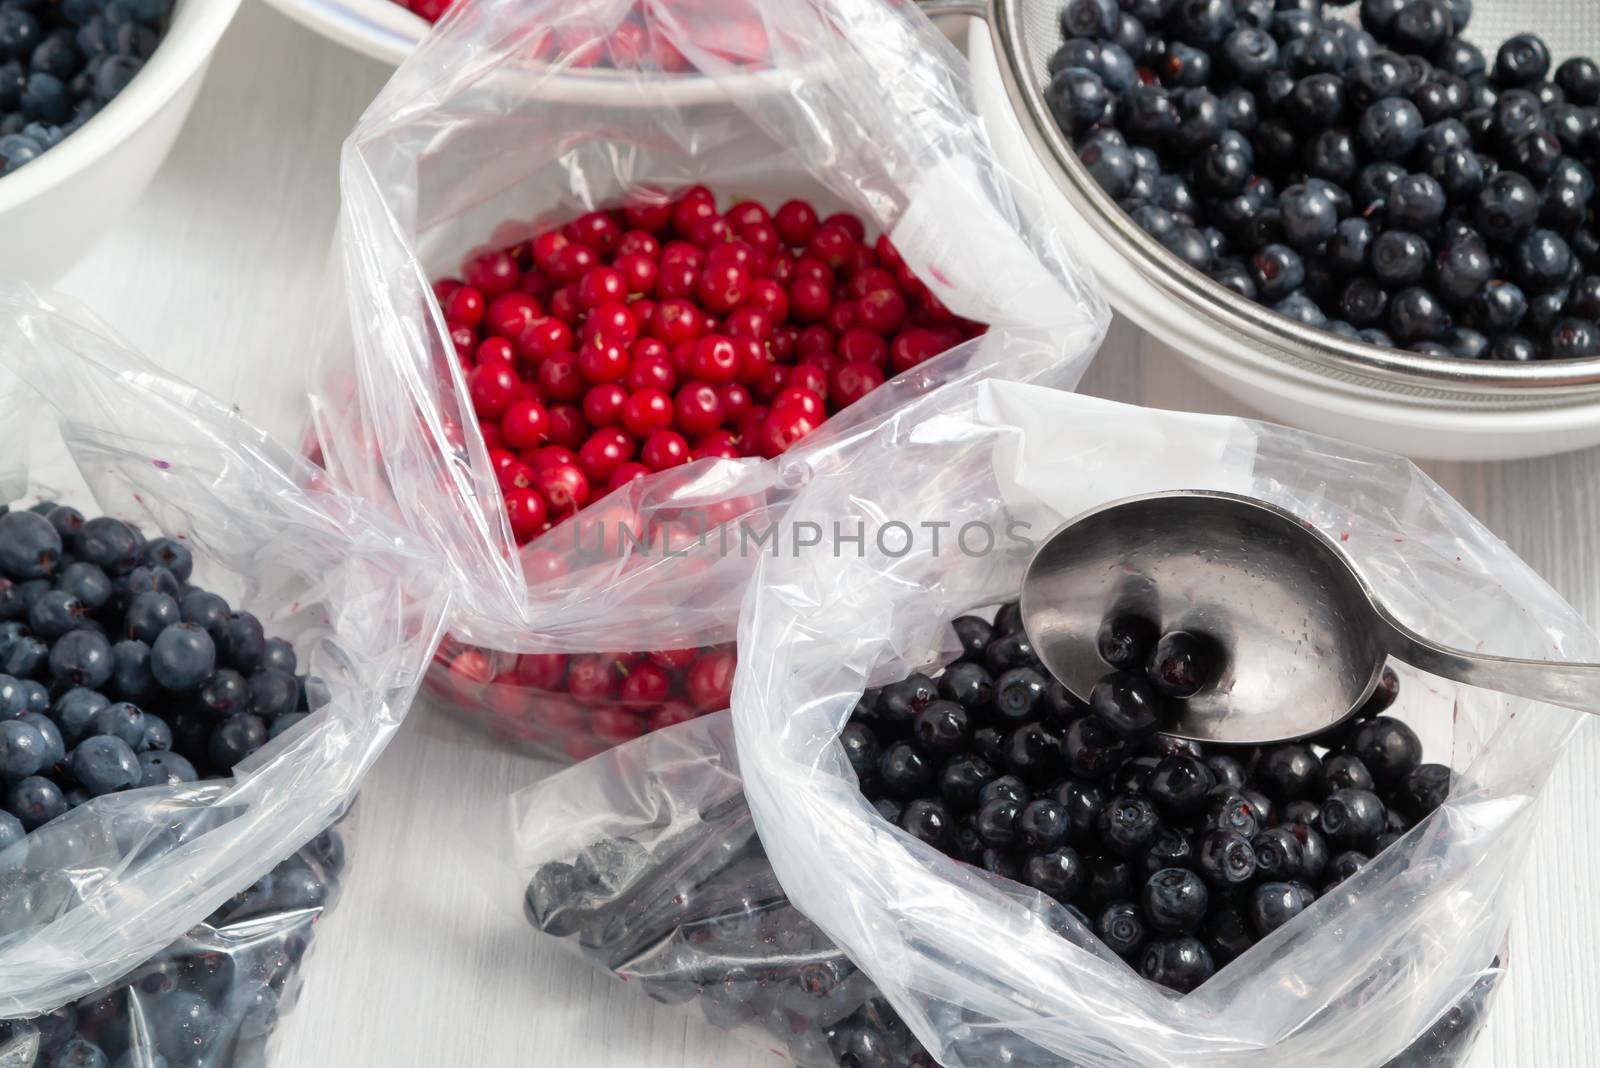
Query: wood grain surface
pixel 427 960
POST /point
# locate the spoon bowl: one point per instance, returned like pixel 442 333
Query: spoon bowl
pixel 1300 636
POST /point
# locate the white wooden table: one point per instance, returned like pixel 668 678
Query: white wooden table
pixel 428 960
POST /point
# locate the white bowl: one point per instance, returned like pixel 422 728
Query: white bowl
pixel 54 208
pixel 1425 407
pixel 381 29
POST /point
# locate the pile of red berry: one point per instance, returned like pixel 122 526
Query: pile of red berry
pixel 582 704
pixel 632 44
pixel 631 341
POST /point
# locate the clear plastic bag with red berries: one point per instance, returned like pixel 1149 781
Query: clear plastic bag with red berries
pixel 1266 950
pixel 690 235
pixel 204 645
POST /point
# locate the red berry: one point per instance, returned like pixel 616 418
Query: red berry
pixel 770 297
pixel 698 409
pixel 647 212
pixel 689 211
pixel 602 360
pixel 551 455
pixel 602 405
pixel 715 359
pixel 763 238
pixel 545 247
pixel 683 252
pixel 722 286
pixel 809 299
pixel 676 321
pixel 911 347
pixel 646 684
pixel 883 310
pixel 796 222
pixel 825 360
pixel 567 425
pixel 754 359
pixel 680 355
pixel 832 245
pixel 564 305
pixel 748 212
pixel 670 714
pixel 650 367
pixel 748 427
pixel 541 671
pixel 781 269
pixel 602 285
pixel 861 345
pixel 664 449
pixel 525 424
pixel 638 273
pixel 709 683
pixel 492 273
pixel 842 316
pixel 526 511
pixel 626 473
pixel 492 386
pixel 771 382
pixel 887 254
pixel 614 322
pixel 535 284
pixel 492 438
pixel 806 377
pixel 719 444
pixel 510 313
pixel 734 252
pixel 784 338
pixel 647 410
pixel 711 231
pixel 735 401
pixel 494 348
pixel 592 678
pixel 544 337
pixel 803 398
pixel 443 287
pixel 782 428
pixel 598 230
pixel 814 339
pixel 570 263
pixel 676 280
pixel 864 282
pixel 464 305
pixel 607 449
pixel 559 378
pixel 853 381
pixel 617 725
pixel 565 487
pixel 471 670
pixel 849 223
pixel 513 475
pixel 639 243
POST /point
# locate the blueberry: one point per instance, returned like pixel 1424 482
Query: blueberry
pixel 1390 128
pixel 860 744
pixel 1513 348
pixel 1350 245
pixel 940 729
pixel 1415 314
pixel 185 1025
pixel 1128 824
pixel 162 768
pixel 1180 784
pixel 970 685
pixel 205 609
pixel 1341 771
pixel 1227 770
pixel 903 769
pixel 1579 79
pixel 1541 260
pixel 1249 54
pixel 1033 753
pixel 1093 748
pixel 1171 848
pixel 1058 873
pixel 1180 963
pixel 236 738
pixel 27 656
pixel 23 750
pixel 887 808
pixel 1077 99
pixel 1110 879
pixel 1147 114
pixel 55 749
pixel 1226 859
pixel 1111 166
pixel 1226 934
pixel 1499 305
pixel 130 676
pixel 1134 774
pixel 1182 663
pixel 74 711
pixel 1229 810
pixel 121 720
pixel 997 823
pixel 1083 802
pixel 1043 825
pixel 20 33
pixel 928 821
pixel 1353 816
pixel 1363 302
pixel 1421 26
pixel 109 544
pixel 1288 772
pixel 82 658
pixel 104 763
pixel 1174 901
pixel 1089 18
pixel 1274 904
pixel 1425 788
pixel 1277 271
pixel 1416 203
pixel 1522 60
pixel 1388 748
pixel 1184 66
pixel 1506 208
pixel 87 584
pixel 1121 928
pixel 1007 787
pixel 963 780
pixel 1019 695
pixel 182 656
pixel 30 548
pixel 35 801
pixel 1308 218
pixel 1128 703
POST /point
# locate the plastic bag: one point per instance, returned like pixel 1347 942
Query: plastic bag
pixel 985 971
pixel 645 860
pixel 495 128
pixel 215 994
pixel 96 892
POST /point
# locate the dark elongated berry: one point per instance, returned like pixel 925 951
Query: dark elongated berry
pixel 1127 702
pixel 1353 816
pixel 1174 900
pixel 1125 641
pixel 1226 859
pixel 1274 904
pixel 1181 963
pixel 1182 664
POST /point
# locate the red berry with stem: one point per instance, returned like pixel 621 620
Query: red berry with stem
pixel 525 424
pixel 510 313
pixel 603 360
pixel 544 337
pixel 567 426
pixel 565 487
pixel 676 321
pixel 613 322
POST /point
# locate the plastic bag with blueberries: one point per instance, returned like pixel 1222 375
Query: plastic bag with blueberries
pixel 955 859
pixel 517 117
pixel 1380 949
pixel 203 647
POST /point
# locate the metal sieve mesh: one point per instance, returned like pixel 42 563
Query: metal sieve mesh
pixel 1027 33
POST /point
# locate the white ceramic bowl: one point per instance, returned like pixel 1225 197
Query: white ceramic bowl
pixel 381 29
pixel 1426 407
pixel 54 208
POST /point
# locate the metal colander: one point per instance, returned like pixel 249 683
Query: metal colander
pixel 1025 33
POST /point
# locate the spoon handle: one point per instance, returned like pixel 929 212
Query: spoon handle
pixel 1575 686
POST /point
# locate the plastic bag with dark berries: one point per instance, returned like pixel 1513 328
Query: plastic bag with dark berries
pixel 203 647
pixel 603 261
pixel 1023 883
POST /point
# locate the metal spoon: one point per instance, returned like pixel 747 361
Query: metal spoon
pixel 1302 637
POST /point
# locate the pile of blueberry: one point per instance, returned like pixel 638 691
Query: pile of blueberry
pixel 1178 857
pixel 61 61
pixel 1379 178
pixel 116 672
pixel 211 998
pixel 699 916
